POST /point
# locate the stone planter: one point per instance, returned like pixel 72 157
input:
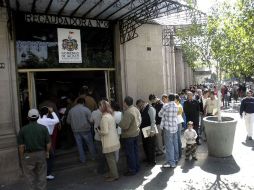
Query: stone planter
pixel 220 135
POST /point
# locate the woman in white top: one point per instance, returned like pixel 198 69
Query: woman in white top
pixel 117 114
pixel 50 124
pixel 109 139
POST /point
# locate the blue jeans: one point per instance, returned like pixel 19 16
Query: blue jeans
pixel 87 137
pixel 50 161
pixel 131 151
pixel 179 140
pixel 171 144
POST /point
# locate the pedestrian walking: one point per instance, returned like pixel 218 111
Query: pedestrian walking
pixel 34 146
pixel 247 111
pixel 190 136
pixel 130 131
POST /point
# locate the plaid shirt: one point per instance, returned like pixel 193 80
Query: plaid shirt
pixel 168 113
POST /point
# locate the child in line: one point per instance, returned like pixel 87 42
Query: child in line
pixel 190 136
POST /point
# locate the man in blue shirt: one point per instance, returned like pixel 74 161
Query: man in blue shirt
pixel 247 109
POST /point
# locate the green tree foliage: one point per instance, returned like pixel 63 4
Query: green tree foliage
pixel 227 38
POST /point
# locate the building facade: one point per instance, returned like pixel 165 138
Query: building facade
pixel 135 68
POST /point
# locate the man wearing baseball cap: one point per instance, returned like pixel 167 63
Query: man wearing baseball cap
pixel 34 145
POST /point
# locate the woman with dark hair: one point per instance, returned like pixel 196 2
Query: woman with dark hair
pixel 49 123
pixel 109 139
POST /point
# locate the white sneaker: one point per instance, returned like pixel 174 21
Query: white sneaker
pixel 50 177
pixel 166 165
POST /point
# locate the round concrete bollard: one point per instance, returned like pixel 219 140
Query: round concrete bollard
pixel 220 135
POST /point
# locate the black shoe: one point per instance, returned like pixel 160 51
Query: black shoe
pixel 129 173
pixel 194 158
pixel 159 153
pixel 145 160
pixel 198 143
pixel 150 164
pixel 187 158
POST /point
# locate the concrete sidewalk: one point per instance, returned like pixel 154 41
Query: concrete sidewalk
pixel 235 172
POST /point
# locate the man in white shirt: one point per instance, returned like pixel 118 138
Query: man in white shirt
pixel 211 105
pixel 50 123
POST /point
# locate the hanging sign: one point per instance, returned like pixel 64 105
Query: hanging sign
pixel 63 20
pixel 69 45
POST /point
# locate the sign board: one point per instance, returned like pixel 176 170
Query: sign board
pixel 69 45
pixel 64 20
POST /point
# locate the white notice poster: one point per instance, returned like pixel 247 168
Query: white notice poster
pixel 69 45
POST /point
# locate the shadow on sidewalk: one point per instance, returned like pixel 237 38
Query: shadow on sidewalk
pixel 187 165
pixel 160 181
pixel 248 143
pixel 221 166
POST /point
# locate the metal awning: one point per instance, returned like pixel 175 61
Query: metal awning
pixel 131 14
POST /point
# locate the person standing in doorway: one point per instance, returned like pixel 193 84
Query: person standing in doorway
pixel 247 110
pixel 130 131
pixel 79 119
pixel 34 146
pixel 90 103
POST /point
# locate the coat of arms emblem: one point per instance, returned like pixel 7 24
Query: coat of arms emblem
pixel 70 44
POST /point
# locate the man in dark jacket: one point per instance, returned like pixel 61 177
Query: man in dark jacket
pixel 148 119
pixel 191 109
pixel 157 104
pixel 247 109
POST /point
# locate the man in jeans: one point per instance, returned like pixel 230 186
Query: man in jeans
pixel 79 117
pixel 168 114
pixel 130 131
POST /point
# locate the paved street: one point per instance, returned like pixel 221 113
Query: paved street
pixel 209 173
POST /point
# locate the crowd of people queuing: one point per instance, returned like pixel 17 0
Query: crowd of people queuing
pixel 103 129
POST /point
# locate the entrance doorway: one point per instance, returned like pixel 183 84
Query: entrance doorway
pixel 61 87
pixel 57 85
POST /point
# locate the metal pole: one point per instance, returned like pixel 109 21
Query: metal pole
pixel 106 84
pixel 219 91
